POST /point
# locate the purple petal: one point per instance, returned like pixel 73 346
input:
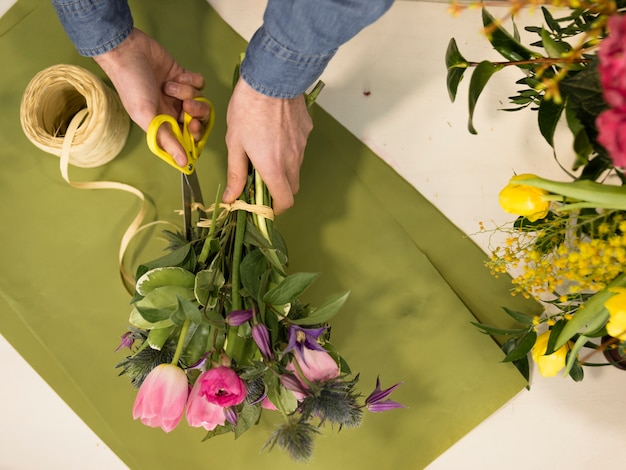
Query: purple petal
pixel 127 340
pixel 378 395
pixel 238 317
pixel 290 382
pixel 384 406
pixel 231 415
pixel 310 338
pixel 261 337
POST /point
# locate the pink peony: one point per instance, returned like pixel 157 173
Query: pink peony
pixel 162 397
pixel 612 67
pixel 314 365
pixel 201 412
pixel 222 386
pixel 611 126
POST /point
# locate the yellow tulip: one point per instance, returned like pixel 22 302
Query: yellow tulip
pixel 616 305
pixel 518 198
pixel 549 365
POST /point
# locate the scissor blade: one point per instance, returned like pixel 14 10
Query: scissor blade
pixel 191 194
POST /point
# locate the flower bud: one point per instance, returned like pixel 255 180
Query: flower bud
pixel 527 201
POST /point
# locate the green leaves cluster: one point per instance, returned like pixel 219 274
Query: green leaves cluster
pixel 557 81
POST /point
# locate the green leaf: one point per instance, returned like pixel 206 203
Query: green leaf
pixel 550 21
pixel 199 343
pixel 554 49
pixel 503 42
pixel 191 311
pixel 325 311
pixel 480 77
pixel 500 331
pixel 573 354
pixel 160 303
pixel 253 266
pixel 289 288
pixel 592 316
pixel 548 118
pixel 456 65
pixel 183 257
pixel 522 347
pixel 283 399
pixel 576 372
pixel 164 276
pixel 522 364
pixel 158 336
pixel 140 322
pixel 518 316
pixel 555 331
pixel 206 287
pixel 247 417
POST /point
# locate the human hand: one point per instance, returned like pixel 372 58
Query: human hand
pixel 271 133
pixel 149 82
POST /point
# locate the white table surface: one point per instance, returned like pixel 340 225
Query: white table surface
pixel 408 120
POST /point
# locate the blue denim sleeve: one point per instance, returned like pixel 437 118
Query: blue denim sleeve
pixel 298 39
pixel 95 26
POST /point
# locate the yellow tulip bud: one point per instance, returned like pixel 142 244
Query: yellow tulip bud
pixel 616 305
pixel 527 201
pixel 549 365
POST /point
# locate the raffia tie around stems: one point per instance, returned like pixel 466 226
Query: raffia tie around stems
pixel 262 211
pixel 69 112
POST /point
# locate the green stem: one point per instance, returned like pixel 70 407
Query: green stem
pixel 206 247
pixel 181 340
pixel 235 347
pixel 259 191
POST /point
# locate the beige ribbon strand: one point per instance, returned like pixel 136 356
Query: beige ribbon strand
pixel 69 112
pixel 260 210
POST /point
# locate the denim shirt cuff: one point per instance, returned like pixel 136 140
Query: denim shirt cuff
pixel 95 27
pixel 274 70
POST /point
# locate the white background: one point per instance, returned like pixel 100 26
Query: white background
pixel 408 120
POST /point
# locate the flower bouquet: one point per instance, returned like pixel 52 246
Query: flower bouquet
pixel 567 248
pixel 218 333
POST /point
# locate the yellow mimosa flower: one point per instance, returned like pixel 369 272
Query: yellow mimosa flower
pixel 549 365
pixel 616 305
pixel 527 201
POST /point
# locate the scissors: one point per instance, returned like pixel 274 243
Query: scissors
pixel 189 178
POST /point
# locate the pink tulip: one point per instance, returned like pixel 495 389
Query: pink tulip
pixel 314 365
pixel 201 412
pixel 162 397
pixel 222 386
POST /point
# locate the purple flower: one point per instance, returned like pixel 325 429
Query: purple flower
pixel 376 402
pixel 300 338
pixel 231 415
pixel 238 317
pixel 127 340
pixel 261 337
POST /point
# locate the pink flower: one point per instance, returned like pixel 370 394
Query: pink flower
pixel 162 397
pixel 611 126
pixel 201 412
pixel 612 67
pixel 222 386
pixel 314 365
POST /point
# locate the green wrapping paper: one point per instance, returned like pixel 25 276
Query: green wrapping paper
pixel 416 282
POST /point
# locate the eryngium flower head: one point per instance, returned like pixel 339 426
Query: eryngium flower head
pixel 294 437
pixel 138 367
pixel 334 401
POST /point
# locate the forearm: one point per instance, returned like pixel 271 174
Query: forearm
pixel 94 26
pixel 299 38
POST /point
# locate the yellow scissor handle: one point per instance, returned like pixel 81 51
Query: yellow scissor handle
pixel 192 148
